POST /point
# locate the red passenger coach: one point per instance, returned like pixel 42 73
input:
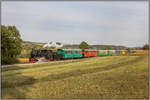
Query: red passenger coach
pixel 89 53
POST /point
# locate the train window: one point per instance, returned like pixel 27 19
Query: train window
pixel 66 52
pixel 69 52
pixel 79 52
pixel 76 52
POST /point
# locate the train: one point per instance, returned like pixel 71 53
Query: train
pixel 62 54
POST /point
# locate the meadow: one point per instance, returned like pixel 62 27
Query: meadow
pixel 96 77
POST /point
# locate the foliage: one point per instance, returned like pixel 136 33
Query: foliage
pixel 146 47
pixel 10 44
pixel 129 50
pixel 84 45
pixel 107 48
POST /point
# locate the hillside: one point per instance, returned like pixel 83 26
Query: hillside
pixel 28 44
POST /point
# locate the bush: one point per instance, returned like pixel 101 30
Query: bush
pixel 146 47
pixel 9 60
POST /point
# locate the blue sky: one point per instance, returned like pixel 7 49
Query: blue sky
pixel 105 23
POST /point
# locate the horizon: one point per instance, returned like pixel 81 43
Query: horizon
pixel 85 41
pixel 96 22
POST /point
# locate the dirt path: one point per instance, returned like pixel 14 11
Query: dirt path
pixel 23 64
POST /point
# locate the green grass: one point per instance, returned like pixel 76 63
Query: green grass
pixel 97 77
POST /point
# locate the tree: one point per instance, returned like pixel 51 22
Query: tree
pixel 84 45
pixel 146 47
pixel 108 47
pixel 129 50
pixel 10 44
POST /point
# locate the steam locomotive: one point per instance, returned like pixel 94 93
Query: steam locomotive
pixel 49 55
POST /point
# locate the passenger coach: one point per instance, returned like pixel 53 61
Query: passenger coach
pixel 49 55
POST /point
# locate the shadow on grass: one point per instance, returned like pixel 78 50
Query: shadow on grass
pixel 54 77
pixel 10 84
pixel 9 68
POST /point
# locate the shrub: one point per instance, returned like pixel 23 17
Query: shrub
pixel 9 60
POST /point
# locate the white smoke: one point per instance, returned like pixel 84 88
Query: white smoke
pixel 53 44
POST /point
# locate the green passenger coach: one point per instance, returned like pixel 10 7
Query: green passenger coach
pixel 105 52
pixel 70 53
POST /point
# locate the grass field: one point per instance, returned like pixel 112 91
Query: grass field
pixel 98 77
pixel 23 60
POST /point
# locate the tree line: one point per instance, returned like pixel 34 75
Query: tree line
pixel 85 45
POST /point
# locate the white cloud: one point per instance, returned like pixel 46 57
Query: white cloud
pixel 115 20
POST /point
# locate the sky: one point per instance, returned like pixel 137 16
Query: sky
pixel 105 23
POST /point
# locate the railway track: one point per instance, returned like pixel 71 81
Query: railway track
pixel 38 62
pixel 23 64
